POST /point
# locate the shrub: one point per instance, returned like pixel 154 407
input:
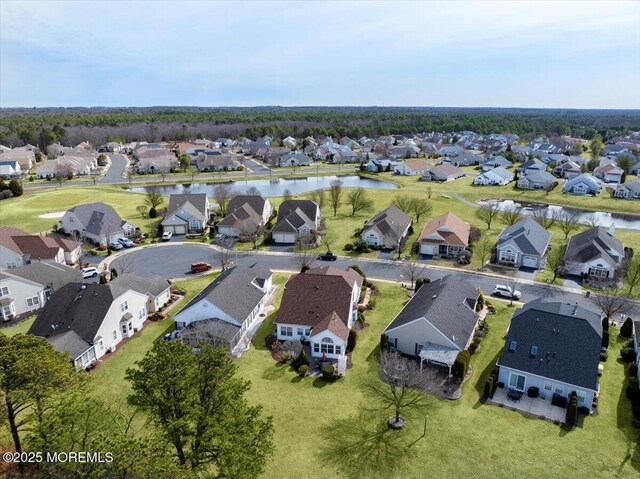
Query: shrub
pixel 328 372
pixel 153 213
pixel 420 282
pixel 352 340
pixel 267 238
pixel 488 387
pixel 93 252
pixel 15 187
pixel 605 339
pixel 372 302
pixel 31 178
pixel 461 364
pixel 584 410
pixel 384 342
pixel 303 370
pixel 632 369
pixel 301 360
pixel 627 328
pixel 627 355
pixel 474 234
pixel 348 247
pixel 102 247
pixel 103 279
pixel 572 410
pixel 603 356
pixel 633 391
pixel 480 304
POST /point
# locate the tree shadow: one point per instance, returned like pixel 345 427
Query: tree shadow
pixel 482 379
pixel 274 372
pixel 624 418
pixel 363 445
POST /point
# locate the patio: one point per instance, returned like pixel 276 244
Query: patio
pixel 534 407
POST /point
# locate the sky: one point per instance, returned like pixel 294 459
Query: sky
pixel 577 54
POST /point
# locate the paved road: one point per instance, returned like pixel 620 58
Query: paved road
pixel 116 171
pixel 173 262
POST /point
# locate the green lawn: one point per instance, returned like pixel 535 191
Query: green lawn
pixel 20 328
pixel 464 438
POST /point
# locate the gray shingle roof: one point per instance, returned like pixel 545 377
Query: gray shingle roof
pixel 593 243
pixel 448 304
pixel 292 214
pixel 98 218
pixel 528 235
pixel 70 342
pixel 236 291
pixel 568 343
pixel 154 285
pixel 197 200
pixel 53 275
pixel 391 223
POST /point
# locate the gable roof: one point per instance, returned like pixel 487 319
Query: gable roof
pixel 589 180
pixel 197 200
pixel 568 338
pixel 236 291
pixel 23 243
pixel 391 223
pixel 98 218
pixel 593 243
pixel 528 236
pixel 293 214
pixel 448 304
pixel 350 275
pixel 54 276
pixel 499 172
pixel 70 342
pixel 447 229
pixel 154 285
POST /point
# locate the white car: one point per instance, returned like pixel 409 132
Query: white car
pixel 166 236
pixel 506 292
pixel 89 272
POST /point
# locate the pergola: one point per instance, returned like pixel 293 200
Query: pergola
pixel 438 354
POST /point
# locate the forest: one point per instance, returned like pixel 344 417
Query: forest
pixel 69 126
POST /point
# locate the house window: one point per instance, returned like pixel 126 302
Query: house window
pixel 326 346
pixel 548 387
pixel 141 314
pixel 4 291
pixel 582 397
pixel 12 265
pixel 300 332
pixel 124 306
pixel 316 348
pixel 101 345
pixel 338 350
pixel 33 302
pixel 508 256
pixel 559 390
pixel 307 331
pixel 598 272
pixel 115 334
pixel 6 311
pixel 516 381
pixel 286 330
pixel 130 327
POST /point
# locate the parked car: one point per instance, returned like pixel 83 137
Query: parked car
pixel 89 272
pixel 328 256
pixel 506 292
pixel 166 236
pixel 200 266
pixel 171 336
pixel 114 245
pixel 126 242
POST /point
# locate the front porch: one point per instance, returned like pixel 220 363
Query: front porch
pixel 534 407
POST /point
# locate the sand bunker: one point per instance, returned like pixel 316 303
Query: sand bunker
pixel 57 214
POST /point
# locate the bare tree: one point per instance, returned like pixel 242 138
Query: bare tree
pixel 413 271
pixel 404 203
pixel 429 192
pixel 307 239
pixel 224 256
pixel 319 197
pixel 142 210
pixel 249 230
pixel 253 191
pixel 153 197
pixel 546 217
pixel 124 264
pixel 63 173
pixel 304 259
pixel 612 302
pixel 487 213
pixel 359 201
pixel 569 222
pixel 192 171
pixel 512 284
pixel 482 249
pixel 400 389
pixel 327 239
pixel 511 214
pixel 287 195
pixel 633 273
pixel 592 220
pixel 555 260
pixel 223 193
pixel 335 195
pixel 420 207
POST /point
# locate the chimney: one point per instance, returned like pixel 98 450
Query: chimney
pixel 612 229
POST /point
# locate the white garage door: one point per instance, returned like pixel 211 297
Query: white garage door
pixel 530 262
pixel 284 238
pixel 429 249
pixel 179 230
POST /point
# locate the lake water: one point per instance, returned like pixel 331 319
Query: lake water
pixel 277 186
pixel 627 221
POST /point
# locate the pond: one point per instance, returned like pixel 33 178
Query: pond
pixel 586 217
pixel 276 186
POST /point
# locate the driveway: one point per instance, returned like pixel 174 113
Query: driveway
pixel 526 273
pixel 282 248
pixel 116 171
pixel 385 254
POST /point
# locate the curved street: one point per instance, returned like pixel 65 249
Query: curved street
pixel 173 260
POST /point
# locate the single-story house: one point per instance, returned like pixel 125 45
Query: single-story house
pixel 19 248
pixel 495 162
pixel 378 165
pixel 320 306
pixel 536 180
pixel 497 176
pixel 533 165
pixel 98 222
pixel 10 170
pixel 609 173
pixel 28 288
pixel 295 217
pixel 567 170
pixel 294 158
pixel 88 320
pixel 523 244
pixel 186 213
pixel 442 172
pixel 635 169
pixel 387 229
pixel 437 323
pixel 630 190
pixel 463 159
pixel 156 288
pixel 555 348
pixel 446 235
pixel 404 151
pixel 595 252
pixel 584 184
pixel 237 298
pixel 243 208
pixel 410 168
